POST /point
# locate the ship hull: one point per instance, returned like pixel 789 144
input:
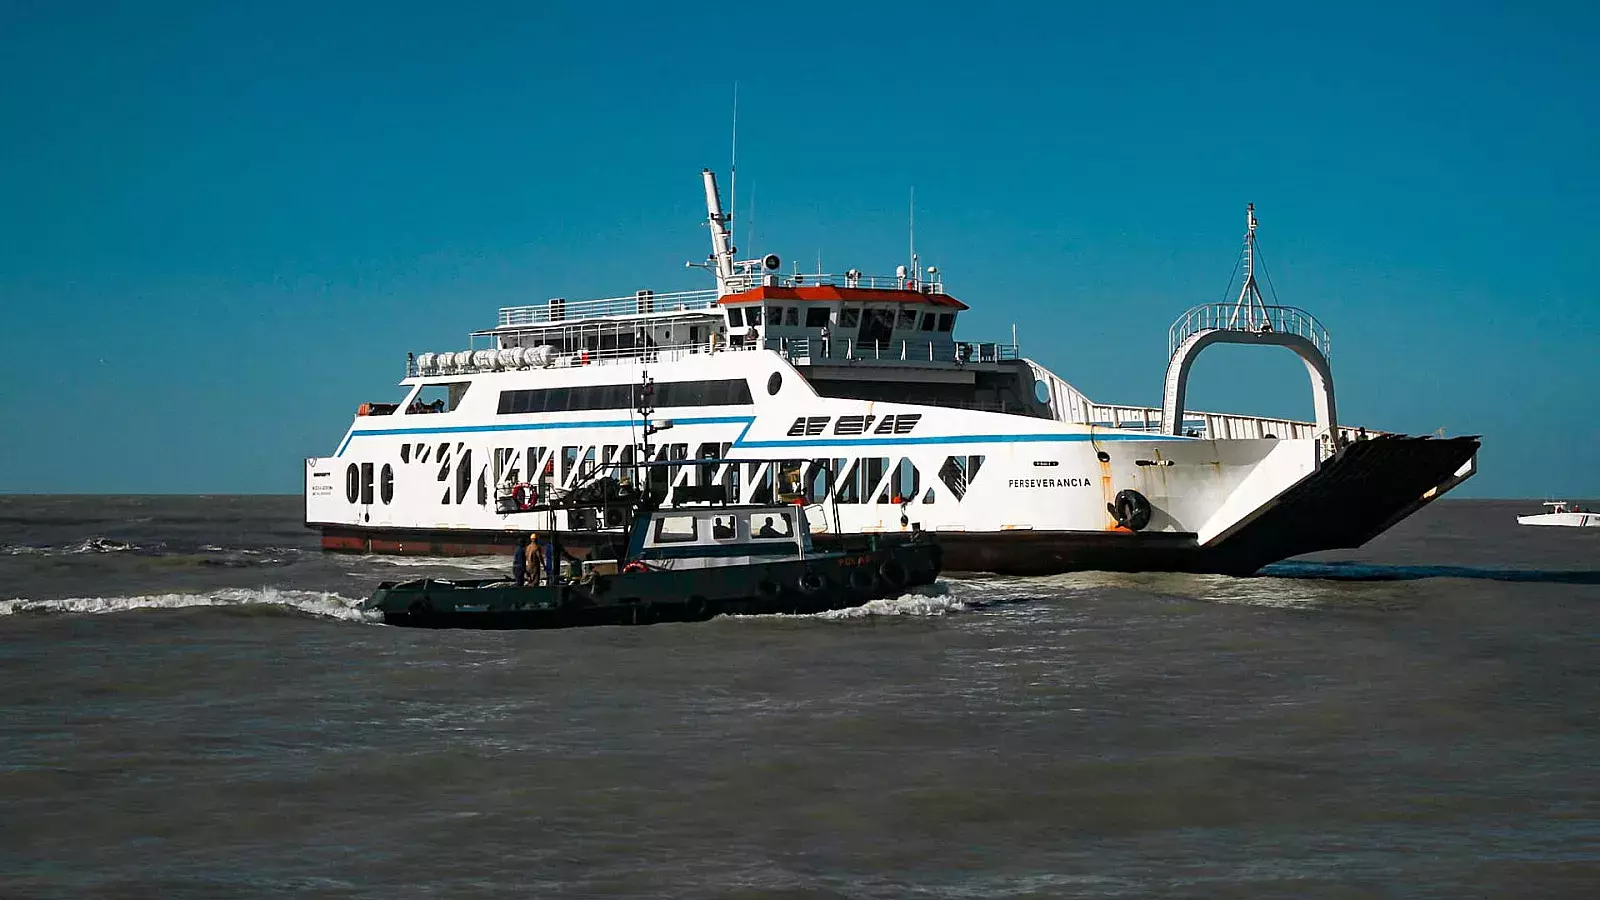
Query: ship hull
pixel 1361 491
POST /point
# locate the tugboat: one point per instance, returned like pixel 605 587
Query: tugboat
pixel 688 562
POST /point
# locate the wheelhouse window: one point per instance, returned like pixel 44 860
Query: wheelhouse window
pixel 817 317
pixel 877 325
pixel 771 526
pixel 928 320
pixel 791 316
pixel 735 316
pixel 675 530
pixel 849 316
pixel 947 321
pixel 908 320
pixel 438 397
pixel 752 315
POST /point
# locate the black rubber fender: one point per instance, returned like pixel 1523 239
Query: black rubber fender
pixel 893 573
pixel 1131 509
pixel 810 583
pixel 862 579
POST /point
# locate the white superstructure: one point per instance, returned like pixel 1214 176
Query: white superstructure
pixel 860 381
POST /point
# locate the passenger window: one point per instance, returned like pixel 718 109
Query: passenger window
pixel 675 529
pixel 769 526
pixel 723 528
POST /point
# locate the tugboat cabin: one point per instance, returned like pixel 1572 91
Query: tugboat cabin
pixel 706 537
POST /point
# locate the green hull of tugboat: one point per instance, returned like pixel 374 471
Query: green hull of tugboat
pixel 817 583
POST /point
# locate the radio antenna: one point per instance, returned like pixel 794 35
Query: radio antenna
pixel 733 161
pixel 913 230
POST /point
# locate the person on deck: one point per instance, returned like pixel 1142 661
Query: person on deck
pixel 519 561
pixel 534 560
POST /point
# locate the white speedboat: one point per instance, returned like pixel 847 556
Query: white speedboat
pixel 1562 513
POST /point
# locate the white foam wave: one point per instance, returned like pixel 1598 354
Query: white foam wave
pixel 319 603
pixel 90 545
pixel 932 600
pixel 474 563
pixel 103 545
pixel 903 605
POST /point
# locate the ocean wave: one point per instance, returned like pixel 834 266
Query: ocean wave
pixel 931 600
pixel 88 545
pixel 474 563
pixel 325 604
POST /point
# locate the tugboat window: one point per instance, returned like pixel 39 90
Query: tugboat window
pixel 947 321
pixel 908 319
pixel 735 316
pixel 817 317
pixel 792 317
pixel 675 529
pixel 927 321
pixel 752 316
pixel 849 317
pixel 771 526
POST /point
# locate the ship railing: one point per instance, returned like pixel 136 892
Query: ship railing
pixel 1253 318
pixel 745 281
pixel 805 350
pixel 1215 426
pixel 640 303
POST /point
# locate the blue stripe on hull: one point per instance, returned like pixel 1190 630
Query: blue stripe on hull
pixel 747 421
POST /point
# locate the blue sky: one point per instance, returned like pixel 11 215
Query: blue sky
pixel 223 225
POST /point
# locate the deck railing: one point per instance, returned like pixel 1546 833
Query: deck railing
pixel 1245 317
pixel 560 309
pixel 803 351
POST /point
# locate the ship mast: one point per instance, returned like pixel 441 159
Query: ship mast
pixel 1250 311
pixel 721 239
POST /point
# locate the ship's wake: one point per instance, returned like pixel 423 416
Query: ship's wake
pixel 322 604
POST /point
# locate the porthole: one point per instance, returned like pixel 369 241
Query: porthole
pixel 774 382
pixel 386 484
pixel 352 483
pixel 1041 392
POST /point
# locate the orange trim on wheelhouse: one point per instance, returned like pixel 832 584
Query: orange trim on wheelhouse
pixel 824 292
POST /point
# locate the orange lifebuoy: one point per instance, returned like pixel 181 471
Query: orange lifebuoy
pixel 525 496
pixel 635 566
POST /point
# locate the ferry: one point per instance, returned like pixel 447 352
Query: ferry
pixel 854 391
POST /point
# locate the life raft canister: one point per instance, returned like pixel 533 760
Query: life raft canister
pixel 524 495
pixel 1131 510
